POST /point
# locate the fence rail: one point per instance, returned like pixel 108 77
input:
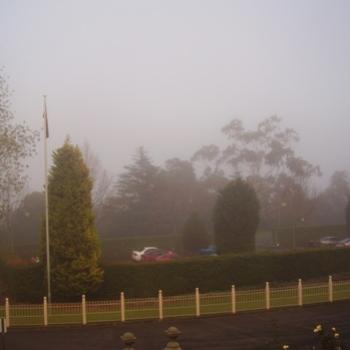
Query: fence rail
pixel 196 304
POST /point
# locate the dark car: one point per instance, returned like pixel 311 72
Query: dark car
pixel 209 251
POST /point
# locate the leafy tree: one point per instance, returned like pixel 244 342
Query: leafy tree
pixel 194 235
pixel 264 157
pixel 73 240
pixel 236 217
pixel 17 143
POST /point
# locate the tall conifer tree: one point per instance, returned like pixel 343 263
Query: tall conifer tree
pixel 74 248
pixel 236 217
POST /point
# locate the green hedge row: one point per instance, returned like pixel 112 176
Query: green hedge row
pixel 219 273
pixel 183 276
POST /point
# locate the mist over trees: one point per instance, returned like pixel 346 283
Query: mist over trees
pixel 17 144
pixel 265 157
pixel 27 219
pixel 194 234
pixel 347 215
pixel 150 199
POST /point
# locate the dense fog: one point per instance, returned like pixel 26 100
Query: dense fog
pixel 154 82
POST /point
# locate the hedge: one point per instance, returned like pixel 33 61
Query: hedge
pixel 219 273
pixel 183 276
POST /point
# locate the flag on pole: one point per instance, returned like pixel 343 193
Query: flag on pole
pixel 45 119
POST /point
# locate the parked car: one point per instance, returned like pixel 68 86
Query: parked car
pixel 153 254
pixel 328 240
pixel 344 243
pixel 209 251
pixel 159 255
pixel 137 255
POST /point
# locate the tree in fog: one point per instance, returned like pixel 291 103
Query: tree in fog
pixel 27 220
pixel 132 209
pixel 74 246
pixel 236 217
pixel 194 234
pixel 264 157
pixel 332 201
pixel 347 215
pixel 102 181
pixel 17 143
pixel 177 193
pixel 154 200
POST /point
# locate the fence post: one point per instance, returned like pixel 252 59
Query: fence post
pixel 160 301
pixel 233 299
pixel 3 331
pixel 7 312
pixel 45 311
pixel 300 292
pixel 83 309
pixel 267 295
pixel 198 311
pixel 122 307
pixel 330 289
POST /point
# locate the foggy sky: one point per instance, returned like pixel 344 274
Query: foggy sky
pixel 168 75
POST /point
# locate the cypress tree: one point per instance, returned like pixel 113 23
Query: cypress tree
pixel 236 218
pixel 74 248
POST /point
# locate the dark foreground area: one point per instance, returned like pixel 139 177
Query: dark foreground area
pixel 252 330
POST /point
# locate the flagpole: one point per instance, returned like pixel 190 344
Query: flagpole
pixel 47 206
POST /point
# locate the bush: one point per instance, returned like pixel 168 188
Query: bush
pixel 219 273
pixel 183 276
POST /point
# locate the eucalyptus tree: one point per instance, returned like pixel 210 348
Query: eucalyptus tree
pixel 265 157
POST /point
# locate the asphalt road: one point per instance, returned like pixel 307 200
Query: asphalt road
pixel 250 330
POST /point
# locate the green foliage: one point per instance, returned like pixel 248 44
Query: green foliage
pixel 183 276
pixel 195 235
pixel 74 248
pixel 17 144
pixel 219 273
pixel 236 218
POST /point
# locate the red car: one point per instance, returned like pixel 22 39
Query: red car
pixel 158 255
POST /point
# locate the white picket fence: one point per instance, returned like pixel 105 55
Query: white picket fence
pixel 160 307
